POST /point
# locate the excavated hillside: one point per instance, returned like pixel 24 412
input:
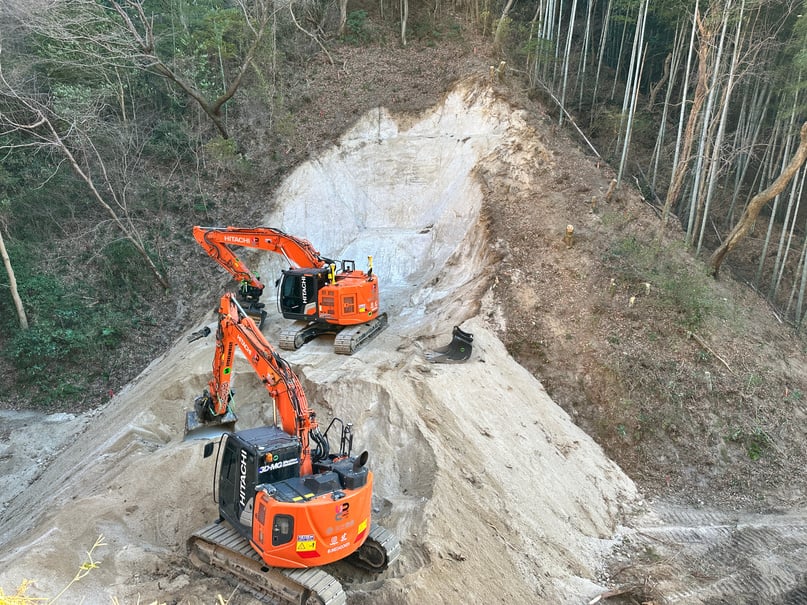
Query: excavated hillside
pixel 495 491
pixel 464 455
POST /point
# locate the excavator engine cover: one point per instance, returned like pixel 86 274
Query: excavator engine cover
pixel 351 474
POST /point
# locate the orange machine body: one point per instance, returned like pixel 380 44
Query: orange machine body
pixel 319 530
pixel 298 504
pixel 314 288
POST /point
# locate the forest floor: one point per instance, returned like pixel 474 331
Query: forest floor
pixel 693 386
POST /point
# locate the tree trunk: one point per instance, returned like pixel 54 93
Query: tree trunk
pixel 682 164
pixel 715 161
pixel 656 157
pixel 566 58
pixel 12 282
pixel 785 247
pixel 601 56
pixel 343 16
pixel 756 204
pixel 581 71
pixel 404 19
pixel 632 88
pixel 501 26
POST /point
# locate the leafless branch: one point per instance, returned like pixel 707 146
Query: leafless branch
pixel 307 33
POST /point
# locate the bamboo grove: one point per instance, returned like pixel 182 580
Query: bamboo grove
pixel 700 104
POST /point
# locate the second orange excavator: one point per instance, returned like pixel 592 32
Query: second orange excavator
pixel 321 295
pixel 288 503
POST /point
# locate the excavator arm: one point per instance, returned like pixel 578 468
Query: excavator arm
pixel 236 330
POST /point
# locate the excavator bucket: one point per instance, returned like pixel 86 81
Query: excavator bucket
pixel 199 424
pixel 199 429
pixel 457 351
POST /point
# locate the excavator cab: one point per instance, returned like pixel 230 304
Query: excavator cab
pixel 298 292
pixel 254 457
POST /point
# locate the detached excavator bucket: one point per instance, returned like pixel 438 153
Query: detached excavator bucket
pixel 457 351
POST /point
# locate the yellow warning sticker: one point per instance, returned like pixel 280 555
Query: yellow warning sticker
pixel 306 545
pixel 362 526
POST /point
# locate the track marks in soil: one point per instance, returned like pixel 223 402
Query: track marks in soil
pixel 741 558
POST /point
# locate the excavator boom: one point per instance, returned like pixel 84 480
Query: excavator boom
pixel 217 242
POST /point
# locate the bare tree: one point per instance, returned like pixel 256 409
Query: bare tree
pixel 501 26
pixel 26 120
pixel 756 204
pixel 122 34
pixel 342 17
pixel 682 165
pixel 12 282
pixel 404 20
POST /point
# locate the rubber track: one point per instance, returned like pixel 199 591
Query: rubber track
pixel 288 335
pixel 220 548
pixel 386 540
pixel 379 539
pixel 349 340
pixel 756 556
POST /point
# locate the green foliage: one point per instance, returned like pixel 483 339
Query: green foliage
pixel 755 441
pixel 74 102
pixel 44 344
pixel 123 270
pixel 688 291
pixel 64 329
pixel 224 152
pixel 430 30
pixel 202 38
pixel 74 59
pixel 685 289
pixel 356 27
pixel 538 48
pixel 70 334
pixel 169 141
pixel 506 24
pixel 40 198
pixel 794 395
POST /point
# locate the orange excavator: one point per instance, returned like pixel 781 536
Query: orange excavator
pixel 321 295
pixel 287 503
